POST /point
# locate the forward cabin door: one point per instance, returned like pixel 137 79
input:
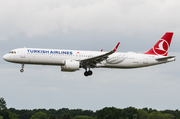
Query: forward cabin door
pixel 23 53
pixel 78 56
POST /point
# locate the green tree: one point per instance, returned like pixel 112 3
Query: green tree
pixel 159 115
pixel 66 116
pixel 13 115
pixel 3 109
pixel 2 104
pixel 51 114
pixel 82 117
pixel 135 116
pixel 149 110
pixel 1 117
pixel 108 113
pixel 129 112
pixel 168 116
pixel 173 113
pixel 39 115
pixel 155 115
pixel 142 114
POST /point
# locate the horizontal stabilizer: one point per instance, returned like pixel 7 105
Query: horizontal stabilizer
pixel 165 58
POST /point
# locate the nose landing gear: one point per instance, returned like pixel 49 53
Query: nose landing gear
pixel 22 70
pixel 88 73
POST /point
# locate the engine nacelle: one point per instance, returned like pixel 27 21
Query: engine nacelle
pixel 70 66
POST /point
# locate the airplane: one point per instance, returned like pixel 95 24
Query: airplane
pixel 73 60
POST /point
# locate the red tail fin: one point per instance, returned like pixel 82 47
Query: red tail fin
pixel 162 46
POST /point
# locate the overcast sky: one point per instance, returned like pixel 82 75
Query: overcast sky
pixel 89 25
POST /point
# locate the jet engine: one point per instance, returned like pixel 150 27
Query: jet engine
pixel 70 66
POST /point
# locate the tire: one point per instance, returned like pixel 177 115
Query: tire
pixel 22 70
pixel 86 73
pixel 90 72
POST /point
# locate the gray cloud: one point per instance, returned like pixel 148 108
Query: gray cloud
pixel 35 18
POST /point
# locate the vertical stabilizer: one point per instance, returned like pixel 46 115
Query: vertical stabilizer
pixel 162 46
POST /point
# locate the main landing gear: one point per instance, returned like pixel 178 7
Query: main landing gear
pixel 22 70
pixel 88 73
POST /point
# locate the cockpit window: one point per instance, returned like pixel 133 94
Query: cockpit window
pixel 12 52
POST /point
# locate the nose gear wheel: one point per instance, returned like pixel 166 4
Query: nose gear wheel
pixel 22 70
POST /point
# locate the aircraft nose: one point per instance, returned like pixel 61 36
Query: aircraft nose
pixel 5 57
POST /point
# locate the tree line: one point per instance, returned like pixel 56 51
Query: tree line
pixel 105 113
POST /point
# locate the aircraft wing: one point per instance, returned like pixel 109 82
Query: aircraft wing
pixel 91 62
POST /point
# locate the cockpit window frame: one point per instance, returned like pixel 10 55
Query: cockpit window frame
pixel 12 52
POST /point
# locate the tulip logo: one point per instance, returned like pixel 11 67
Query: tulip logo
pixel 161 47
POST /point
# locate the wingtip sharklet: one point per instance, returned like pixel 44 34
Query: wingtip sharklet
pixel 116 47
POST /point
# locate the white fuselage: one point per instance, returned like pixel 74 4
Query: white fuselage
pixel 58 57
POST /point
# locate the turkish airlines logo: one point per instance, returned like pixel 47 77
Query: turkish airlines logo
pixel 161 47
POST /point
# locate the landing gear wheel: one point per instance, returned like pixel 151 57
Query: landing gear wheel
pixel 90 72
pixel 22 70
pixel 85 73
